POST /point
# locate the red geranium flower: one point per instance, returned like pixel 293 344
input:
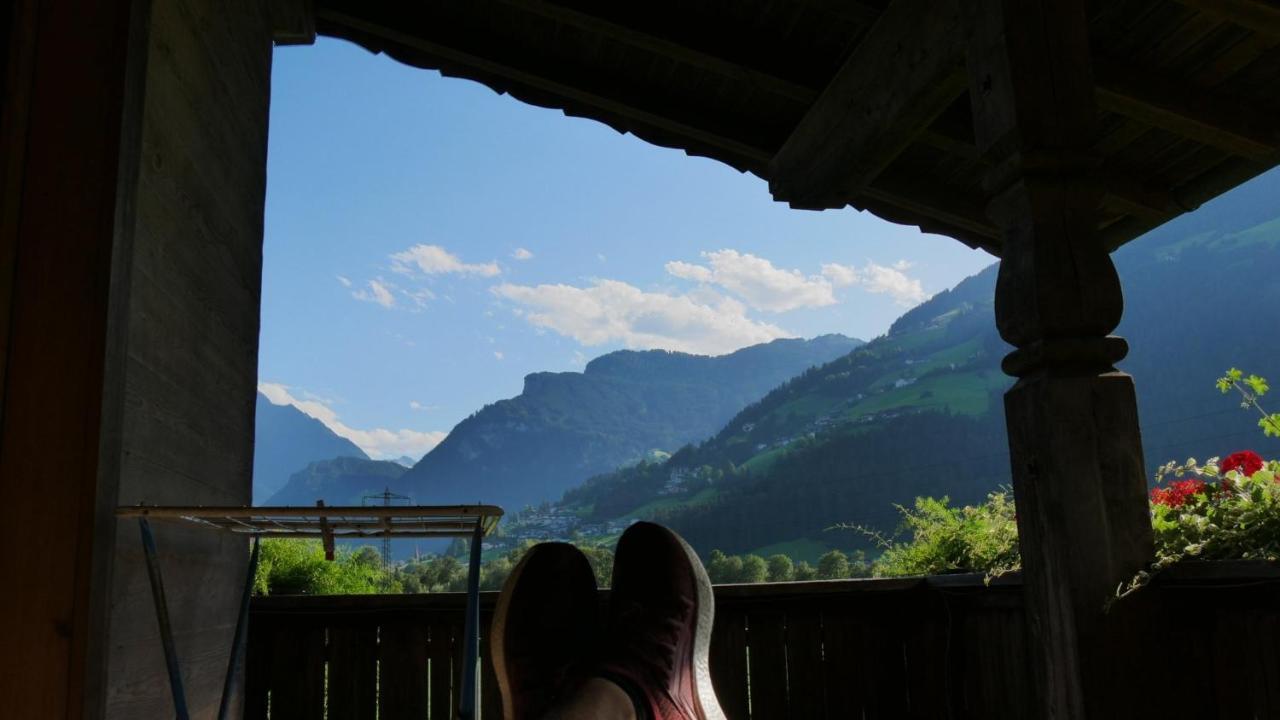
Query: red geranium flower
pixel 1247 462
pixel 1178 492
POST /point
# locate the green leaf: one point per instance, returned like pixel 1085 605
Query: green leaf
pixel 1270 425
pixel 1257 384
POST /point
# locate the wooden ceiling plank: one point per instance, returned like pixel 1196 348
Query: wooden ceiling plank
pixel 905 72
pixel 1189 112
pixel 754 155
pixel 620 33
pixel 1259 16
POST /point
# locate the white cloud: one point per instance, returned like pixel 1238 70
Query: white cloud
pixel 498 354
pixel 415 405
pixel 757 281
pixel 840 275
pixel 613 311
pixel 904 290
pixel 435 260
pixel 379 443
pixel 378 292
pixel 521 254
pixel 346 282
pixel 874 278
pixel 688 271
pixel 419 297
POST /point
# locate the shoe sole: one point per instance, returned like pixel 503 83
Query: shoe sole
pixel 704 691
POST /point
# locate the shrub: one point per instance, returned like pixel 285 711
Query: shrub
pixel 979 538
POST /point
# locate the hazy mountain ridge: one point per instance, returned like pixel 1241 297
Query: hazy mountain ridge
pixel 286 440
pixel 567 426
pixel 339 481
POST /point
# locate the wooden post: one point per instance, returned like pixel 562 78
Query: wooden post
pixel 1072 417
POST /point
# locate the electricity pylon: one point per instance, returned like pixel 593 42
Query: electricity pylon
pixel 386 496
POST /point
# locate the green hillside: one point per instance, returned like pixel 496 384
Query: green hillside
pixel 918 410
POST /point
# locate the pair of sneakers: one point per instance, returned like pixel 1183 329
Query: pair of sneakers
pixel 548 638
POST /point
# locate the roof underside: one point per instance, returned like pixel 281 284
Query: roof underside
pixel 1186 92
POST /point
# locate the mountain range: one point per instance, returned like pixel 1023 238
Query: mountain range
pixel 765 449
pixel 285 441
pixel 918 411
pixel 563 428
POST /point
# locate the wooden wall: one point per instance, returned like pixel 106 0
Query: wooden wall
pixel 66 121
pixel 185 315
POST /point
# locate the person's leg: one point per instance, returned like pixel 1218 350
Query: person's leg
pixel 653 662
pixel 596 699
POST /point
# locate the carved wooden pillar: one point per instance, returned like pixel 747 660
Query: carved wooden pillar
pixel 1076 450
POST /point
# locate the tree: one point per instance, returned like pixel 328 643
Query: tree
pixel 754 570
pixel 781 568
pixel 833 566
pixel 722 568
pixel 805 571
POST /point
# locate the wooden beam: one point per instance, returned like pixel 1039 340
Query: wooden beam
pixel 293 22
pixel 666 48
pixel 1132 195
pixel 744 154
pixel 1192 113
pixel 928 200
pixel 1259 16
pixel 903 74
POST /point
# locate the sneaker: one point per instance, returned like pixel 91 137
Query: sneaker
pixel 660 615
pixel 544 629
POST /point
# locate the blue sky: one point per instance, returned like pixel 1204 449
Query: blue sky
pixel 429 243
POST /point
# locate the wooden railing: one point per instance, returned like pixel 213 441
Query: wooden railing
pixel 941 647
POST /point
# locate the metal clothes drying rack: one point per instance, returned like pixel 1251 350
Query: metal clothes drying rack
pixel 328 524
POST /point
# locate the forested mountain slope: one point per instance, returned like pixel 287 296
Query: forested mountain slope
pixel 918 411
pixel 566 427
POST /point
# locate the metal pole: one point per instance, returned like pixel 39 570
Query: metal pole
pixel 232 682
pixel 162 616
pixel 471 650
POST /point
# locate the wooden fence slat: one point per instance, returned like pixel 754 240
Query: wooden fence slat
pixel 456 632
pixel 844 664
pixel 729 663
pixel 257 667
pixel 883 656
pixel 445 662
pixel 490 698
pixel 927 671
pixel 402 670
pixel 806 681
pixel 996 670
pixel 353 672
pixel 767 659
pixel 297 672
